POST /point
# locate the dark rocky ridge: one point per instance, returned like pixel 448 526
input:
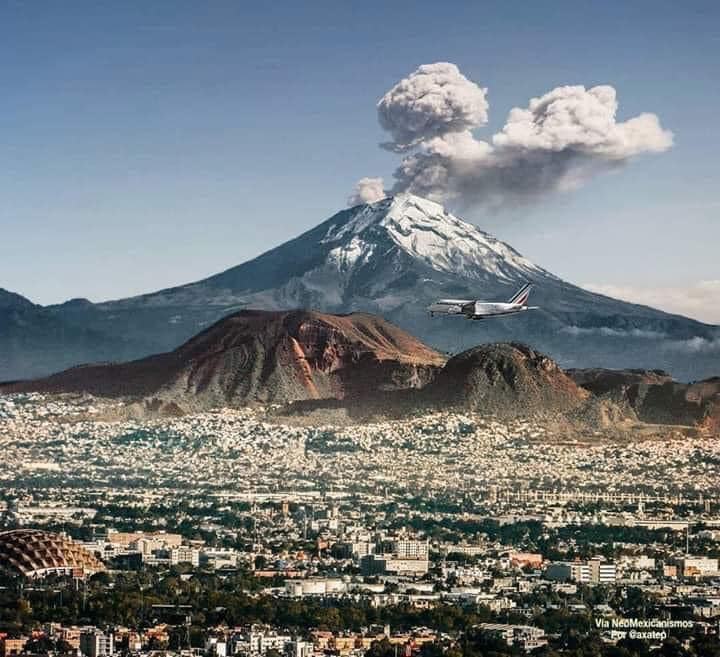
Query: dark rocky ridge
pixel 262 356
pixel 655 397
pixel 602 381
pixel 505 378
pixel 364 366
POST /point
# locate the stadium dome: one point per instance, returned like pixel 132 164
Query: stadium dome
pixel 34 554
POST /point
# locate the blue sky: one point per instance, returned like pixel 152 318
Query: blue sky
pixel 144 145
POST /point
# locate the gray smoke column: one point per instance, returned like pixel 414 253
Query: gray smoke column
pixel 554 144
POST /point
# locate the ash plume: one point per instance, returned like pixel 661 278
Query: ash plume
pixel 556 143
pixel 434 100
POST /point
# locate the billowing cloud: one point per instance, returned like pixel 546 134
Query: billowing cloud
pixel 700 300
pixel 582 121
pixel 433 100
pixel 367 190
pixel 554 144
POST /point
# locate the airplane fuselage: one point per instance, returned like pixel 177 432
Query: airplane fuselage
pixel 475 309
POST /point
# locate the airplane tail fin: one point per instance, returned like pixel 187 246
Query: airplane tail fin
pixel 521 297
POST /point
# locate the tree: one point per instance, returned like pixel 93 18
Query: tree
pixel 671 647
pixel 706 646
pixel 382 648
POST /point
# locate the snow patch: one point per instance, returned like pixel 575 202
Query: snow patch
pixel 346 256
pixel 426 231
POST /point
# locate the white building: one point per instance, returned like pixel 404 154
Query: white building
pixel 299 588
pixel 185 554
pixel 526 636
pixel 260 642
pixel 219 557
pixel 568 571
pixel 300 648
pixel 399 556
pixel 408 549
pixel 217 647
pixel 602 572
pixel 391 564
pixel 360 549
pixel 94 643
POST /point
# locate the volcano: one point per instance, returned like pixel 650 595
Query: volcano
pixel 393 258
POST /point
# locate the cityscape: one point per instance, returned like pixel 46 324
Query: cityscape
pixel 241 532
pixel 341 329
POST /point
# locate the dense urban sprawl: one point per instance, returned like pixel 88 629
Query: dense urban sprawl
pixel 238 533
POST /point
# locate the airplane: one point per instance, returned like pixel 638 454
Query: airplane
pixel 484 309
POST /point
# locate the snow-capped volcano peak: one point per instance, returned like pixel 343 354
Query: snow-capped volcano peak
pixel 393 258
pixel 427 231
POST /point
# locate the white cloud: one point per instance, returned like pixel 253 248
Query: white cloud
pixel 608 331
pixel 583 121
pixel 555 143
pixel 367 190
pixel 697 345
pixel 699 300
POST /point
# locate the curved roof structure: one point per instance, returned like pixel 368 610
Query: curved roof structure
pixel 34 553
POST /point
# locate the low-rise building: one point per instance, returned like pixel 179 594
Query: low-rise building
pixel 10 647
pixel 697 566
pixel 526 636
pixel 568 571
pixel 602 571
pixel 391 564
pixel 95 643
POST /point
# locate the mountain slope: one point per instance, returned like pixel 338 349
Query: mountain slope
pixel 360 366
pixel 502 378
pixel 393 258
pixel 35 341
pixel 656 398
pixel 12 301
pixel 264 356
pixel 601 381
